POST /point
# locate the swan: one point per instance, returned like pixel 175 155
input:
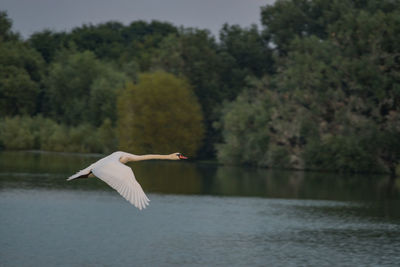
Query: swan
pixel 113 171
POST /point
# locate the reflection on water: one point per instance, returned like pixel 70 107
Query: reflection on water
pixel 30 169
pixel 200 214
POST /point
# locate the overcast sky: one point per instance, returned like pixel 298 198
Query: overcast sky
pixel 30 16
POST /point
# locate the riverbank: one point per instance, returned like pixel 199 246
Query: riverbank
pixel 210 162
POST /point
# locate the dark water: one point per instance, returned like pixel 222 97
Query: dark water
pixel 199 215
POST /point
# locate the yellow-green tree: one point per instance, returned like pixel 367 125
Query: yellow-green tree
pixel 159 114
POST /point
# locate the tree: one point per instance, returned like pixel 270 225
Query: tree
pixel 349 83
pixel 107 136
pixel 21 73
pixel 104 40
pixel 6 34
pixel 262 127
pixel 335 94
pixel 15 133
pixel 192 54
pixel 287 19
pixel 82 89
pixel 159 114
pixel 244 130
pixel 17 92
pixel 247 47
pixel 47 43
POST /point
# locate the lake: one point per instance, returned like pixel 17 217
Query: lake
pixel 200 215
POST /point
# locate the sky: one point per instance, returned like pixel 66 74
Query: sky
pixel 29 16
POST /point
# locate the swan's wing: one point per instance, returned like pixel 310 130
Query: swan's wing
pixel 83 172
pixel 122 179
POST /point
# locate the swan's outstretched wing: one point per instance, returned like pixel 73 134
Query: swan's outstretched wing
pixel 122 179
pixel 83 172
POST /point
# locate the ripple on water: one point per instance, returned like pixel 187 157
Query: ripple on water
pixel 45 227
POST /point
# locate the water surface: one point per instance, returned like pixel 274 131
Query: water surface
pixel 199 215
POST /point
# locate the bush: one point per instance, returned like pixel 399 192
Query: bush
pixel 243 125
pixel 278 157
pixel 341 153
pixel 107 137
pixel 83 138
pixel 15 133
pixel 55 138
pixel 24 133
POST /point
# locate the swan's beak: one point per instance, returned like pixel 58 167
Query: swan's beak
pixel 182 156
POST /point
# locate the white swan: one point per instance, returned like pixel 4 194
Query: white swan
pixel 112 170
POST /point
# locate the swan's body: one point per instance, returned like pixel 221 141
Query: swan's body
pixel 112 170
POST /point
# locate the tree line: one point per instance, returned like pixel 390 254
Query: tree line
pixel 318 87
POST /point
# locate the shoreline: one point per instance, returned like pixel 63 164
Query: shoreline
pixel 213 162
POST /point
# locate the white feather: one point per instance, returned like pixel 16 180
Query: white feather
pixel 118 176
pixel 122 179
pixel 83 172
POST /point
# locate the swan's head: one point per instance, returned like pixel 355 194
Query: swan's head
pixel 178 156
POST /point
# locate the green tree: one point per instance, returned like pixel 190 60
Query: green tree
pixel 192 54
pixel 107 136
pixel 142 39
pixel 348 82
pixel 333 103
pixel 103 96
pixel 17 92
pixel 262 127
pixel 243 53
pixel 244 130
pixel 112 41
pixel 159 114
pixel 47 43
pixel 16 134
pixel 104 40
pixel 82 89
pixel 287 19
pixel 21 74
pixel 6 34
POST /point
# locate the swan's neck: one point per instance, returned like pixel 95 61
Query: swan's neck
pixel 131 157
pixel 151 156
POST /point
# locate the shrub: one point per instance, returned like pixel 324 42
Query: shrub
pixel 243 125
pixel 24 133
pixel 340 153
pixel 15 133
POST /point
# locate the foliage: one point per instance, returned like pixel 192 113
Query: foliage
pixel 335 96
pixel 217 72
pixel 192 54
pixel 48 43
pixel 21 72
pixel 22 133
pixel 270 128
pixel 286 20
pixel 316 88
pixel 16 133
pixel 107 136
pixel 243 125
pixel 159 114
pixel 243 53
pixel 343 153
pixel 6 34
pixel 116 42
pixel 103 96
pixel 82 89
pixel 16 92
pixel 273 130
